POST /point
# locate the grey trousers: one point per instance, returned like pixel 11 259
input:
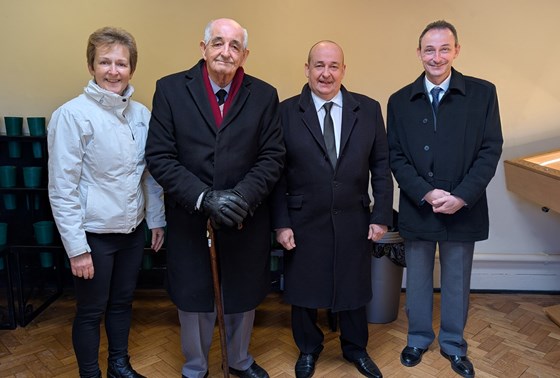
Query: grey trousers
pixel 456 266
pixel 197 329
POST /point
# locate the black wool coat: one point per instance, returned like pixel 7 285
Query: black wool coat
pixel 458 151
pixel 187 153
pixel 329 210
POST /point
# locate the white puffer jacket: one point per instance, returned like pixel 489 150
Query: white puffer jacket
pixel 98 181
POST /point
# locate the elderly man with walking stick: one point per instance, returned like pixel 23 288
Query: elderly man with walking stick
pixel 215 146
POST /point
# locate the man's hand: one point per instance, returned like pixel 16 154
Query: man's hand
pixel 449 204
pixel 82 266
pixel 285 236
pixel 376 231
pixel 433 195
pixel 225 207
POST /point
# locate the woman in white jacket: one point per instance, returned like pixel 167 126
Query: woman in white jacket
pixel 100 192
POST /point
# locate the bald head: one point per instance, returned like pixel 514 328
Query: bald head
pixel 228 22
pixel 325 44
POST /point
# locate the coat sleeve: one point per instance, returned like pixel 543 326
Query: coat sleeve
pixel 67 140
pixel 473 185
pixel 162 154
pixel 410 182
pixel 381 179
pixel 280 215
pixel 259 181
pixel 153 193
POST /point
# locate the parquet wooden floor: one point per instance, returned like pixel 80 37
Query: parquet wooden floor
pixel 508 335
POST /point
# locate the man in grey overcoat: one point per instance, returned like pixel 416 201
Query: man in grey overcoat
pixel 445 142
pixel 321 207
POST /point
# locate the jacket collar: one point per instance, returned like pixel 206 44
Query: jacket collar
pixel 195 85
pixel 309 116
pixel 108 99
pixel 457 85
pixel 306 101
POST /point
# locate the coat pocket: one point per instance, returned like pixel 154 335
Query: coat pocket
pixel 295 202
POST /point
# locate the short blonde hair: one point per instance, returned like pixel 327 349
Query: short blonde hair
pixel 109 36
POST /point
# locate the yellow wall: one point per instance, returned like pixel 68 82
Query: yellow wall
pixel 512 43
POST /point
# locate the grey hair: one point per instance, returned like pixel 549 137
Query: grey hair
pixel 208 34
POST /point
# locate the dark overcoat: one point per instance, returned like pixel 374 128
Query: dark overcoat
pixel 458 152
pixel 187 153
pixel 329 210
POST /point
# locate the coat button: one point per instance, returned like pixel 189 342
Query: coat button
pixel 425 120
pixel 431 174
pixel 426 148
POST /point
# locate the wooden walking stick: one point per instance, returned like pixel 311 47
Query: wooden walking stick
pixel 218 297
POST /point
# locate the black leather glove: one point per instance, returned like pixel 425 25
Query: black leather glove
pixel 225 207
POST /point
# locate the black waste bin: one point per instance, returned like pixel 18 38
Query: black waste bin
pixel 387 263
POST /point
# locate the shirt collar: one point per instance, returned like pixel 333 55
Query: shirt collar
pixel 216 87
pixel 319 102
pixel 444 85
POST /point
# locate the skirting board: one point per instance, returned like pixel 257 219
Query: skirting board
pixel 517 272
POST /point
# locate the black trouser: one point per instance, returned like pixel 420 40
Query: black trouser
pixel 116 261
pixel 353 331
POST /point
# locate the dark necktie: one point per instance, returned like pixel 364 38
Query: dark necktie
pixel 328 133
pixel 221 94
pixel 435 97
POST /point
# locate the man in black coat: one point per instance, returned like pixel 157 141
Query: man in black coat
pixel 445 142
pixel 217 157
pixel 321 207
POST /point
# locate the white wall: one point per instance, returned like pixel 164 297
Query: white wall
pixel 512 43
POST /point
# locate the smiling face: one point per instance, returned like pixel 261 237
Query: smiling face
pixel 325 69
pixel 224 52
pixel 438 49
pixel 111 67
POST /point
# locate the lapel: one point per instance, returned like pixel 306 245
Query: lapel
pixel 456 85
pixel 310 118
pixel 349 117
pixel 238 102
pixel 195 86
pixel 311 121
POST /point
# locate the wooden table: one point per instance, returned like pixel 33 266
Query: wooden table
pixel 536 178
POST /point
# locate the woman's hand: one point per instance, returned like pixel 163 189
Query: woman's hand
pixel 158 235
pixel 82 266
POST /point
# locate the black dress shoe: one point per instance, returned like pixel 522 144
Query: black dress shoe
pixel 254 371
pixel 460 364
pixel 305 365
pixel 367 367
pixel 411 356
